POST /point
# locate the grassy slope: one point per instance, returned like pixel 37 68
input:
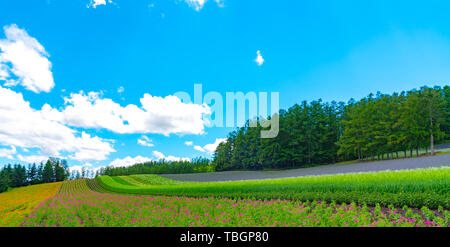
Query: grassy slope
pixel 416 188
pixel 17 203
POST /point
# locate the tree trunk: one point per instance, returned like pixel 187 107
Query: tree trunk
pixel 405 154
pixel 417 152
pixel 431 133
pixel 396 154
pixel 431 143
pixel 410 152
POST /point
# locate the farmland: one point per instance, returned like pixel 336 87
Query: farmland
pixel 412 198
pixel 77 204
pixel 19 202
pixel 414 188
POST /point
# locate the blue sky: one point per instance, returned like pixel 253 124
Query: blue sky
pixel 333 50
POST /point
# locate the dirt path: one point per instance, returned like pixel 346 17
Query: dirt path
pixel 400 164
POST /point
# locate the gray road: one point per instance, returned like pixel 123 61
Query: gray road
pixel 400 164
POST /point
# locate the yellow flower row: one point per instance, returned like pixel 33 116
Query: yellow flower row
pixel 18 203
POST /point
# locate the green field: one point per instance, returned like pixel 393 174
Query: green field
pixel 415 188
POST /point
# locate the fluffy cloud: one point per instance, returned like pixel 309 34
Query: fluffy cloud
pixel 8 153
pixel 95 3
pixel 24 61
pixel 25 127
pixel 33 158
pixel 155 115
pixel 91 148
pixel 128 161
pixel 259 59
pixel 210 148
pixel 188 143
pixel 161 156
pixel 145 141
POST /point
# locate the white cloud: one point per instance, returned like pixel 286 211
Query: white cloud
pixel 259 59
pixel 76 168
pixel 95 3
pixel 120 89
pixel 145 141
pixel 33 158
pixel 156 115
pixel 188 143
pixel 128 161
pixel 161 156
pixel 210 148
pixel 87 164
pixel 220 3
pixel 25 127
pixel 24 61
pixel 198 4
pixel 8 153
pixel 199 148
pixel 91 148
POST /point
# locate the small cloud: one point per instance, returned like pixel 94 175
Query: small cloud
pixel 8 153
pixel 259 59
pixel 188 143
pixel 161 156
pixel 198 148
pixel 128 161
pixel 220 3
pixel 198 4
pixel 87 164
pixel 95 3
pixel 145 141
pixel 210 148
pixel 120 89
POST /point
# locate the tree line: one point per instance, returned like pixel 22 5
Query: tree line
pixel 160 167
pixel 375 127
pixel 18 175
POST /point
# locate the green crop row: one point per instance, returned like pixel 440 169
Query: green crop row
pixel 416 188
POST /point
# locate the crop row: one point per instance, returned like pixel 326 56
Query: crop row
pixel 415 188
pixel 76 204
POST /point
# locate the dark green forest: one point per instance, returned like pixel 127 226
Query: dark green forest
pixel 376 127
pixel 17 175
